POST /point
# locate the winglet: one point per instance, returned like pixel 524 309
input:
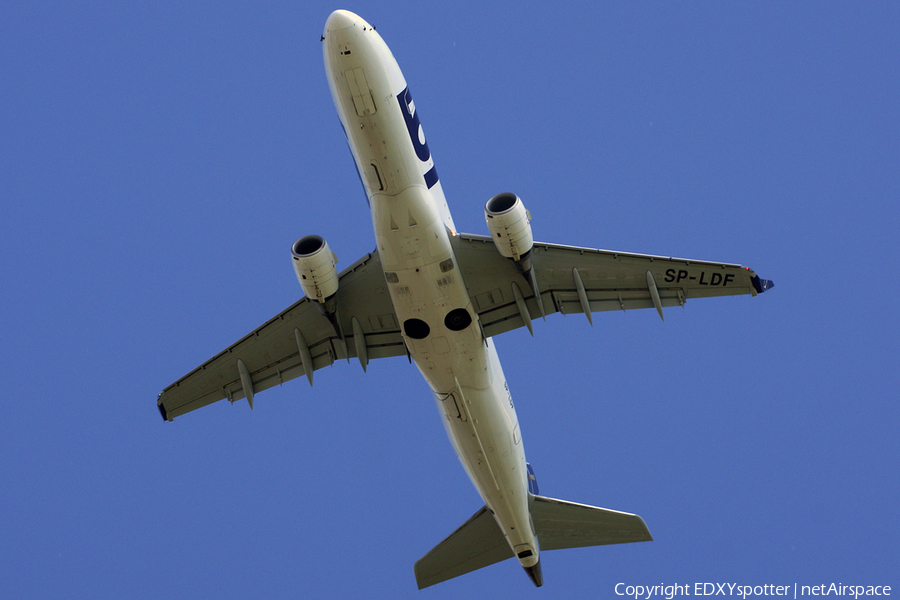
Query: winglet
pixel 162 408
pixel 761 285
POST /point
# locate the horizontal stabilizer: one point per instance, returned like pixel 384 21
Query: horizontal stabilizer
pixel 477 543
pixel 560 524
pixel 557 523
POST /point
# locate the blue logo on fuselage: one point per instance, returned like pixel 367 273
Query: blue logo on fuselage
pixel 416 133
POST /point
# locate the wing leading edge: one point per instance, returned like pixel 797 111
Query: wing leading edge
pixel 364 327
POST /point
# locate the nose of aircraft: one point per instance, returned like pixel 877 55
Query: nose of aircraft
pixel 342 19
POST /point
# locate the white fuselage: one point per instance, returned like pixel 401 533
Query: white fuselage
pixel 413 228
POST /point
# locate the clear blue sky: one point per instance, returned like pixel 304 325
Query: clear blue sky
pixel 159 159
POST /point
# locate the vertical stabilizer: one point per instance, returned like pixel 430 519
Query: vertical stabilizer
pixel 535 573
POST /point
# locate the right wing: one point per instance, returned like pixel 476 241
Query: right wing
pixel 583 280
pixel 274 353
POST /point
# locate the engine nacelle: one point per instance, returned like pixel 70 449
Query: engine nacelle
pixel 510 225
pixel 314 266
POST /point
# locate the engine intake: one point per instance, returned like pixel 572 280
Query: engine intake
pixel 314 266
pixel 510 225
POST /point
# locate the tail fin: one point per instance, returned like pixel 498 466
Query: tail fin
pixel 558 524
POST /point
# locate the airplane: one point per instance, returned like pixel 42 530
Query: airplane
pixel 438 296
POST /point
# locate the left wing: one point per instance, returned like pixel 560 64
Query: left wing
pixel 295 342
pixel 583 280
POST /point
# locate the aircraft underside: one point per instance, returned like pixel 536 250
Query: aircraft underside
pixel 448 293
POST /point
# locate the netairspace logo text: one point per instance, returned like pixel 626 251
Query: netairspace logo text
pixel 650 592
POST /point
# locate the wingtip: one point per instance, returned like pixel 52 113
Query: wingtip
pixel 162 409
pixel 762 285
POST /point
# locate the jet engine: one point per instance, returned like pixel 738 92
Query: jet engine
pixel 314 265
pixel 510 225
